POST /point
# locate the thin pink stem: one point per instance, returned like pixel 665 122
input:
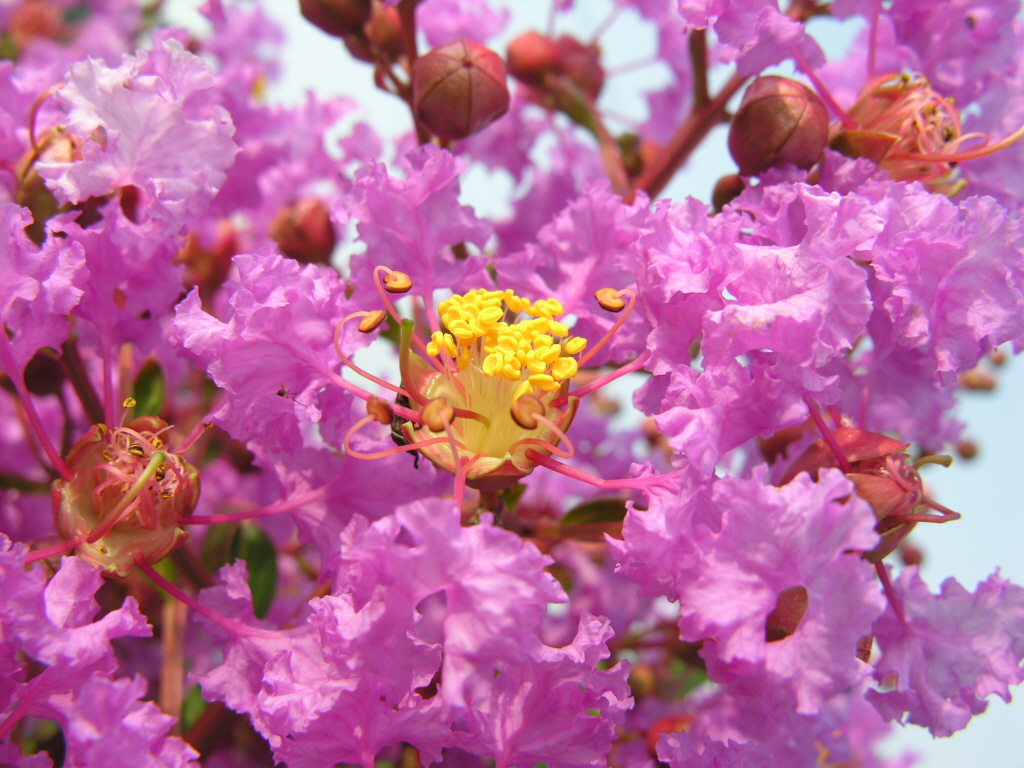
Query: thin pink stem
pixel 890 594
pixel 601 381
pixel 286 505
pixel 350 451
pixel 53 550
pixel 623 316
pixel 459 492
pixel 873 37
pixel 819 86
pixel 236 628
pixel 192 437
pixel 108 374
pixel 830 439
pixel 35 687
pixel 631 67
pixel 564 453
pixel 17 378
pixel 608 21
pixel 837 417
pixel 634 483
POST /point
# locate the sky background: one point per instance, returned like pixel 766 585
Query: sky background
pixel 987 491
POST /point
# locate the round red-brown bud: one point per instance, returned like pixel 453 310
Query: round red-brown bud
pixel 384 31
pixel 303 231
pixel 336 17
pixel 779 122
pixel 789 611
pixel 459 89
pixel 967 449
pixel 582 64
pixel 727 189
pixel 531 56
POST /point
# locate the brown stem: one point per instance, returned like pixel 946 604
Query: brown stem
pixel 80 381
pixel 407 12
pixel 699 61
pixel 172 670
pixel 654 178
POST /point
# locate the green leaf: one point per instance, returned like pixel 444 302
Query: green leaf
pixel 150 387
pixel 596 511
pixel 511 496
pixel 193 706
pixel 255 547
pixel 217 545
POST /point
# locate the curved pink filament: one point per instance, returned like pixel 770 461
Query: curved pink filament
pixel 819 86
pixel 350 451
pixel 971 154
pixel 235 628
pixel 623 316
pixel 276 508
pixel 634 483
pixel 55 549
pixel 601 381
pixel 379 285
pixel 567 453
pixel 344 358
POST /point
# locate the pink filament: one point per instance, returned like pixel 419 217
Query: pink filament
pixel 623 316
pixel 819 86
pixel 634 483
pixel 276 508
pixel 379 285
pixel 350 451
pixel 236 628
pixel 353 366
pixel 890 594
pixel 51 551
pixel 565 454
pixel 601 381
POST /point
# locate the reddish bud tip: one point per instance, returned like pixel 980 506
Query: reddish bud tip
pixel 910 555
pixel 303 231
pixel 581 64
pixel 779 122
pixel 384 30
pixel 336 17
pixel 531 56
pixel 459 89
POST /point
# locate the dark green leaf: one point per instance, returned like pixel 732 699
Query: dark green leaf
pixel 193 706
pixel 255 547
pixel 597 511
pixel 217 545
pixel 150 387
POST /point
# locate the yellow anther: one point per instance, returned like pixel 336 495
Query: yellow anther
pixel 549 355
pixel 574 345
pixel 523 389
pixel 464 357
pixel 558 329
pixel 534 364
pixel 512 371
pixel 564 368
pixel 543 341
pixel 515 303
pixel 493 364
pixel 491 315
pixel 434 345
pixel 436 413
pixel 543 382
pixel 379 410
pixel 372 321
pixel 397 282
pixel 609 300
pixel 449 345
pixel 129 402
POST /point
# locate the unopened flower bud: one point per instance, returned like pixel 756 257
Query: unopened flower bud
pixel 35 18
pixel 727 189
pixel 127 497
pixel 581 64
pixel 459 89
pixel 967 449
pixel 779 122
pixel 531 56
pixel 336 17
pixel 910 555
pixel 384 30
pixel 303 231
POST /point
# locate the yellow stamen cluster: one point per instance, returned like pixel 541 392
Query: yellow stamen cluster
pixel 540 348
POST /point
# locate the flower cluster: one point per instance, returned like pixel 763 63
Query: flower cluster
pixel 269 500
